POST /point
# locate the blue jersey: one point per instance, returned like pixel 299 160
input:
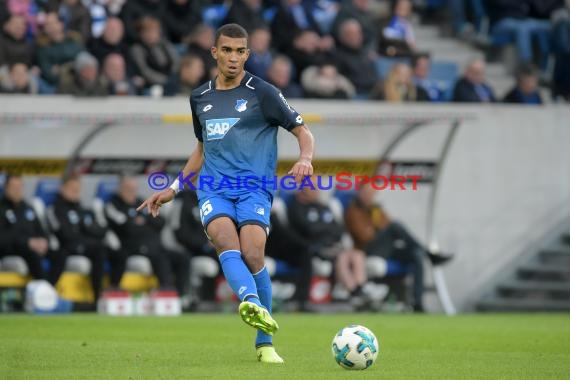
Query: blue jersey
pixel 238 128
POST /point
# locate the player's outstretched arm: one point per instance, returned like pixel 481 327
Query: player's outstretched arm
pixel 193 165
pixel 303 167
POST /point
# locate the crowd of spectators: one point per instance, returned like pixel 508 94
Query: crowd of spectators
pixel 321 49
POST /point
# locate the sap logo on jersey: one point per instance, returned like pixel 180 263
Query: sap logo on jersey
pixel 217 128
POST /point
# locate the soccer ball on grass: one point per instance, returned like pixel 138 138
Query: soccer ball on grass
pixel 355 347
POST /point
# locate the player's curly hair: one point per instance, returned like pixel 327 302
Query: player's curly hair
pixel 230 30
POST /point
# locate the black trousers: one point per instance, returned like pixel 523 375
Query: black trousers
pixel 34 263
pixel 396 243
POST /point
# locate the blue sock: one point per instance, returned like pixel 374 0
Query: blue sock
pixel 238 276
pixel 263 283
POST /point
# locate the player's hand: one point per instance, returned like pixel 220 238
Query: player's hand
pixel 156 200
pixel 301 169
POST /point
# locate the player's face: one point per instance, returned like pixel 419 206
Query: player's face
pixel 231 54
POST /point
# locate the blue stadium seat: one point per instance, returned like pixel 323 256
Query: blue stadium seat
pixel 445 74
pixel 345 196
pixel 106 189
pixel 47 189
pixel 269 14
pixel 214 15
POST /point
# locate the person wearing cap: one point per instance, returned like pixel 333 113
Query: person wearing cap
pixel 82 78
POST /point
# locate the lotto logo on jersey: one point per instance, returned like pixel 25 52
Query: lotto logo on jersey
pixel 217 128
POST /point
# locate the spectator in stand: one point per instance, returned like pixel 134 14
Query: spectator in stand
pixel 374 232
pixel 526 89
pixel 192 71
pixel 353 60
pixel 155 60
pixel 21 233
pixel 111 41
pixel 325 82
pixel 398 39
pixel 115 73
pixel 82 79
pixel 399 86
pixel 55 50
pixel 292 19
pixel 78 233
pixel 247 13
pixel 421 66
pixel 134 11
pixel 19 81
pixel 359 10
pixel 260 55
pixel 75 17
pixel 314 222
pixel 561 50
pixel 140 235
pixel 199 43
pixel 13 45
pixel 514 17
pixel 31 10
pixel 180 18
pixel 280 75
pixel 472 87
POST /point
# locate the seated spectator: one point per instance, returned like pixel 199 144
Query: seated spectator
pixel 13 45
pixel 31 11
pixel 513 17
pixel 293 18
pixel 306 51
pixel 19 81
pixel 280 75
pixel 21 233
pixel 180 18
pixel 399 86
pixel 155 60
pixel 398 39
pixel 191 73
pixel 200 42
pixel 359 10
pixel 111 41
pixel 526 90
pixel 421 67
pixel 472 87
pixel 55 50
pixel 83 78
pixel 133 11
pixel 561 50
pixel 115 73
pixel 139 234
pixel 79 234
pixel 376 234
pixel 353 60
pixel 325 82
pixel 316 223
pixel 75 17
pixel 247 13
pixel 260 55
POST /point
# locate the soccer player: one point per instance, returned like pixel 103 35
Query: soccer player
pixel 236 118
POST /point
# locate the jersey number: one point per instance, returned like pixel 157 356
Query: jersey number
pixel 205 210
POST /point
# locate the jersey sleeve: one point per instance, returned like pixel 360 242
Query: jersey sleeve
pixel 195 120
pixel 276 109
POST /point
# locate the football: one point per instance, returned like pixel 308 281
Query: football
pixel 355 347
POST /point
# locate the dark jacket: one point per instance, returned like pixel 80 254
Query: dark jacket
pixel 502 9
pixel 515 96
pixel 134 10
pixel 139 232
pixel 191 231
pixel 284 28
pixel 243 15
pixel 315 222
pixel 180 20
pixel 358 68
pixel 465 91
pixel 14 51
pixel 73 225
pixel 18 223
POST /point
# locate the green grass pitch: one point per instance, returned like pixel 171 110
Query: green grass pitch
pixel 220 346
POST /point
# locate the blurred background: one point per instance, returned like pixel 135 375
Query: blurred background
pixel 470 94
